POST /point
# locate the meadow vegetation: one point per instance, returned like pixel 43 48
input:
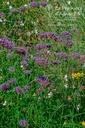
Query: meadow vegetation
pixel 42 64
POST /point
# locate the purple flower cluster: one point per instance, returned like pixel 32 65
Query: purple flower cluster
pixel 23 123
pixel 48 45
pixel 22 51
pixel 62 55
pixel 58 39
pixel 22 8
pixel 43 3
pixel 11 69
pixel 12 80
pixel 39 46
pixel 24 64
pixel 82 59
pixel 43 81
pixel 46 35
pixel 18 90
pixel 1 14
pixel 68 43
pixel 33 4
pixel 26 88
pixel 75 55
pixel 50 35
pixel 6 44
pixel 4 86
pixel 56 62
pixel 66 34
pixel 14 11
pixel 27 72
pixel 41 61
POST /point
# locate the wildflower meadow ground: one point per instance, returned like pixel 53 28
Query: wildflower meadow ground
pixel 42 64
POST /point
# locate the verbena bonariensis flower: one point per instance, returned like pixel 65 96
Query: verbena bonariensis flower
pixel 81 59
pixel 4 86
pixel 64 33
pixel 25 57
pixel 27 72
pixel 62 55
pixel 14 11
pixel 11 81
pixel 57 62
pixel 39 46
pixel 75 55
pixel 26 88
pixel 18 90
pixel 68 43
pixel 1 14
pixel 43 3
pixel 48 45
pixel 22 51
pixel 41 61
pixel 24 64
pixel 33 4
pixel 9 56
pixel 23 8
pixel 58 38
pixel 6 44
pixel 43 81
pixel 23 123
pixel 12 69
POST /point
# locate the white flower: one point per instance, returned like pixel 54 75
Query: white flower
pixel 25 5
pixel 7 3
pixel 1 20
pixel 22 24
pixel 28 33
pixel 66 85
pixel 78 106
pixel 65 77
pixel 50 95
pixel 4 103
pixel 68 2
pixel 10 7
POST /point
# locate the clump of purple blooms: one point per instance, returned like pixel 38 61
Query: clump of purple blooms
pixel 27 72
pixel 12 81
pixel 75 55
pixel 43 3
pixel 23 123
pixel 33 4
pixel 4 86
pixel 43 81
pixel 4 42
pixel 24 64
pixel 62 55
pixel 57 62
pixel 39 46
pixel 26 88
pixel 41 61
pixel 18 90
pixel 22 51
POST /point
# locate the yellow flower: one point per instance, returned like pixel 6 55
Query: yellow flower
pixel 83 123
pixel 65 123
pixel 34 94
pixel 77 75
pixel 69 98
